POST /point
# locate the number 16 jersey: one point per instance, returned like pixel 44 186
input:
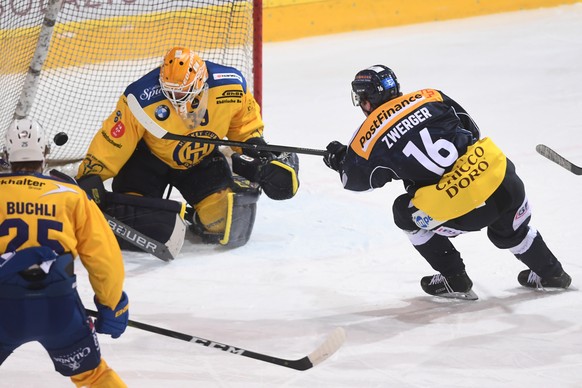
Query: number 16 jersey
pixel 415 138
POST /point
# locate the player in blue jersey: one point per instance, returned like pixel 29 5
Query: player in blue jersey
pixel 455 181
pixel 45 224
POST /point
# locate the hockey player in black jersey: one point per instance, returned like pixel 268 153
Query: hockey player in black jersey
pixel 455 181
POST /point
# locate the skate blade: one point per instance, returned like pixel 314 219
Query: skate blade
pixel 460 295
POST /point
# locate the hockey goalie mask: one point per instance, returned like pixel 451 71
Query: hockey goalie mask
pixel 183 75
pixel 25 141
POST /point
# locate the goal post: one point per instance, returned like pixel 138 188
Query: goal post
pixel 97 48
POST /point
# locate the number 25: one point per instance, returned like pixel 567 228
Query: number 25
pixel 23 234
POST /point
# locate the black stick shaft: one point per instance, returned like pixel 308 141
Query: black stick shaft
pixel 301 364
pixel 258 147
pixel 161 133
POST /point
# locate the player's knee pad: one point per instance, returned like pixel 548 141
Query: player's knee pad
pixel 158 218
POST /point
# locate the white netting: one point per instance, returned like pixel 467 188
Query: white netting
pixel 98 48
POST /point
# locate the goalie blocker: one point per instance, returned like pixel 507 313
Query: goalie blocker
pixel 276 173
pixel 164 219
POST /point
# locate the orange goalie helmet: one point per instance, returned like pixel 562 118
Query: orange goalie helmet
pixel 183 75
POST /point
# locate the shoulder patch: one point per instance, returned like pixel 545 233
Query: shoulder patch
pixel 222 76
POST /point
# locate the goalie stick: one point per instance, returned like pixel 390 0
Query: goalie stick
pixel 552 155
pixel 140 240
pixel 156 130
pixel 333 342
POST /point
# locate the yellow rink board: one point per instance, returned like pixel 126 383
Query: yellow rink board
pixel 127 38
pixel 292 19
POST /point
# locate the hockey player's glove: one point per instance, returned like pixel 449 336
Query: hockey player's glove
pixel 112 322
pixel 334 157
pixel 277 174
pixel 93 186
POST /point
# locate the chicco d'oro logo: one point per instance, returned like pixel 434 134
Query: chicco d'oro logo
pixel 462 177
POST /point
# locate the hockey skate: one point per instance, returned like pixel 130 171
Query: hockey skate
pixel 455 287
pixel 530 279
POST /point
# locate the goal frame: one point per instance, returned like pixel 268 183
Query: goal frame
pixel 28 92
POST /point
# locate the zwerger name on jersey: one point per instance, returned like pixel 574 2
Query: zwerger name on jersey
pixel 405 125
pixel 383 117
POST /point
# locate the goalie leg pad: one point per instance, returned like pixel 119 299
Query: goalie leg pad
pixel 238 217
pixel 212 211
pixel 160 219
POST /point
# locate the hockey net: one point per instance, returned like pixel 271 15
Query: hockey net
pixel 99 47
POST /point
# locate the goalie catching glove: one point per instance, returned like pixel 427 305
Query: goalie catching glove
pixel 276 173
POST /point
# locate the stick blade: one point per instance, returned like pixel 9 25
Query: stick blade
pixel 149 124
pixel 331 345
pixel 552 155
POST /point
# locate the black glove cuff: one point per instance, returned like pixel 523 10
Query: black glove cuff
pixel 246 166
pixel 93 186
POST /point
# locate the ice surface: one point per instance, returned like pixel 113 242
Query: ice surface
pixel 330 257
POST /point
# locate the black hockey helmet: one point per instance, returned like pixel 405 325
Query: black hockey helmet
pixel 376 84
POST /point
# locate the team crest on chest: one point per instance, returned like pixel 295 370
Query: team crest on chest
pixel 190 153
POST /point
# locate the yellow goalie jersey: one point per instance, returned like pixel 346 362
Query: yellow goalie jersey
pixel 231 112
pixel 37 210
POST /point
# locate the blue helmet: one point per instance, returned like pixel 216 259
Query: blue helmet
pixel 376 84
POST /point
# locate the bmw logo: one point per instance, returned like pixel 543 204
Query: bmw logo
pixel 162 112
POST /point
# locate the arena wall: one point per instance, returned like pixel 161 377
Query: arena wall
pixel 293 19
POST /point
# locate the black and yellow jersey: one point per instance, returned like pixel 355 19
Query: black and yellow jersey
pixel 415 138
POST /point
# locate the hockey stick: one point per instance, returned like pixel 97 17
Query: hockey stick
pixel 156 130
pixel 558 159
pixel 140 240
pixel 333 342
